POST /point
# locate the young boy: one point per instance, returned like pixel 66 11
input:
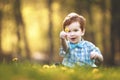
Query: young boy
pixel 74 49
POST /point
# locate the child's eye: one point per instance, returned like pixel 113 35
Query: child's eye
pixel 76 30
pixel 69 31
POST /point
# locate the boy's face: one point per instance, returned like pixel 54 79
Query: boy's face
pixel 74 34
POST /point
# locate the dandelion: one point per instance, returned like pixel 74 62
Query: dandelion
pixel 15 59
pixel 46 66
pixel 64 68
pixel 66 29
pixel 95 70
pixel 52 66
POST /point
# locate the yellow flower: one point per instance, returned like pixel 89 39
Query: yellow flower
pixel 95 70
pixel 64 68
pixel 97 74
pixel 46 66
pixel 15 59
pixel 66 29
pixel 52 66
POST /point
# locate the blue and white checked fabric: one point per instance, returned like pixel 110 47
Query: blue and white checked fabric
pixel 79 54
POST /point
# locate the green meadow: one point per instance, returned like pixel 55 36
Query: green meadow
pixel 28 71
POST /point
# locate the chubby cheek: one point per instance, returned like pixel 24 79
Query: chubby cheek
pixel 78 34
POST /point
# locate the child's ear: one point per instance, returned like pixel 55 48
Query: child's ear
pixel 83 32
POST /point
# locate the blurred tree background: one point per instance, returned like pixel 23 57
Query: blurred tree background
pixel 29 29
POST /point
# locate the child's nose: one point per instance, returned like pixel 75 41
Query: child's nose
pixel 71 33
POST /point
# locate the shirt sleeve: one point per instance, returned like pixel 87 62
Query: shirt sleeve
pixel 92 47
pixel 97 50
pixel 62 52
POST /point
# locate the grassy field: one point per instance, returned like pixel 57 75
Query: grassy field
pixel 27 71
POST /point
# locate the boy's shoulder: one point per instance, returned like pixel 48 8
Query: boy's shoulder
pixel 88 43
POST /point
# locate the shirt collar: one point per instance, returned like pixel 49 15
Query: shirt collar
pixel 77 45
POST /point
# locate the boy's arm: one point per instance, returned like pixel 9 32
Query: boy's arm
pixel 95 53
pixel 97 56
pixel 63 41
pixel 63 44
pixel 64 48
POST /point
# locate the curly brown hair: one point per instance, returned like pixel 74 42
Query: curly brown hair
pixel 74 17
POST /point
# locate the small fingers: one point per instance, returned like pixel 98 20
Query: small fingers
pixel 93 55
pixel 63 35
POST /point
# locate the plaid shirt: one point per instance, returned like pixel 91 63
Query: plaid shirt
pixel 79 54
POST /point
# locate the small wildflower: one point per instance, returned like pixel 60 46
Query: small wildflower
pixel 52 66
pixel 64 68
pixel 95 70
pixel 46 66
pixel 15 59
pixel 66 29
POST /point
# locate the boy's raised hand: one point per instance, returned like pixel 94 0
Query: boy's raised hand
pixel 63 35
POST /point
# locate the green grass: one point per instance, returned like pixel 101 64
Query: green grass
pixel 27 71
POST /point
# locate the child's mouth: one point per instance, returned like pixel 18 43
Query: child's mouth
pixel 73 39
